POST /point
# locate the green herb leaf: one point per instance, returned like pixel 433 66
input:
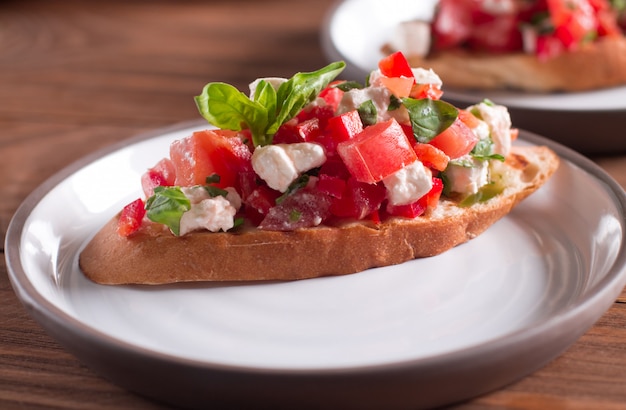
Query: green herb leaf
pixel 483 150
pixel 226 107
pixel 368 113
pixel 167 206
pixel 299 183
pixel 349 85
pixel 429 117
pixel 300 90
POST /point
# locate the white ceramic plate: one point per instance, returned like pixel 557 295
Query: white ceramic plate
pixel 430 331
pixel 591 122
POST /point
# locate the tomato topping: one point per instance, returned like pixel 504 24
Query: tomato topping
pixel 376 152
pixel 345 126
pixel 431 156
pixel 431 91
pixel 456 140
pixel 162 174
pixel 331 185
pixel 210 152
pixel 332 95
pixel 395 65
pixel 130 218
pixel 358 200
pixel 399 86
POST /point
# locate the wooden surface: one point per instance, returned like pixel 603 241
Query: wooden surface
pixel 78 76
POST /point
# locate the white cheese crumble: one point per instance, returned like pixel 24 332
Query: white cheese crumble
pixel 468 175
pixel 212 214
pixel 281 164
pixel 408 184
pixel 379 96
pixel 498 119
pixel 424 76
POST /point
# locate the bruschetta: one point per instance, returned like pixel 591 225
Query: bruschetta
pixel 536 45
pixel 309 176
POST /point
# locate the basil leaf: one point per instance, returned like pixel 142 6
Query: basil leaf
pixel 300 90
pixel 394 103
pixel 429 118
pixel 368 113
pixel 265 95
pixel 349 85
pixel 484 150
pixel 299 183
pixel 226 107
pixel 167 206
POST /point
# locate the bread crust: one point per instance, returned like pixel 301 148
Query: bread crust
pixel 154 256
pixel 593 65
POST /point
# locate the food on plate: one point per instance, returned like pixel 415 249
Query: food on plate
pixel 530 45
pixel 312 176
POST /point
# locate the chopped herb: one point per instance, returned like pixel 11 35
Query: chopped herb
pixel 429 118
pixel 368 113
pixel 167 206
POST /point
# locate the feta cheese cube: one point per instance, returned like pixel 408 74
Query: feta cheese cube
pixel 281 164
pixel 212 214
pixel 498 119
pixel 408 184
pixel 465 179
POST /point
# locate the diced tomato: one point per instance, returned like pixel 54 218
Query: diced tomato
pixel 358 200
pixel 412 210
pixel 431 156
pixel 262 199
pixel 432 197
pixel 302 209
pixel 431 91
pixel 399 86
pixel 469 119
pixel 162 174
pixel 395 65
pixel 332 95
pixel 376 152
pixel 321 112
pixel 210 152
pixel 345 126
pixel 131 217
pixel 573 20
pixel 331 185
pixel 335 167
pixel 456 140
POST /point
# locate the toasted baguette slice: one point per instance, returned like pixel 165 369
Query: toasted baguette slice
pixel 593 66
pixel 154 256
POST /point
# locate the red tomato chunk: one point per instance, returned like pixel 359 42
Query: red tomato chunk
pixel 376 152
pixel 130 218
pixel 210 152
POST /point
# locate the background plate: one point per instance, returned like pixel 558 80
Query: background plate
pixel 590 122
pixel 424 333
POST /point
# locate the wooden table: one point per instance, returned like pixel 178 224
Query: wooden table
pixel 78 76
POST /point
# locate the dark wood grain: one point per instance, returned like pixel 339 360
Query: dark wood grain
pixel 77 76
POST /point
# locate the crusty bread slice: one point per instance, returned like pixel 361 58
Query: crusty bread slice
pixel 592 66
pixel 154 256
